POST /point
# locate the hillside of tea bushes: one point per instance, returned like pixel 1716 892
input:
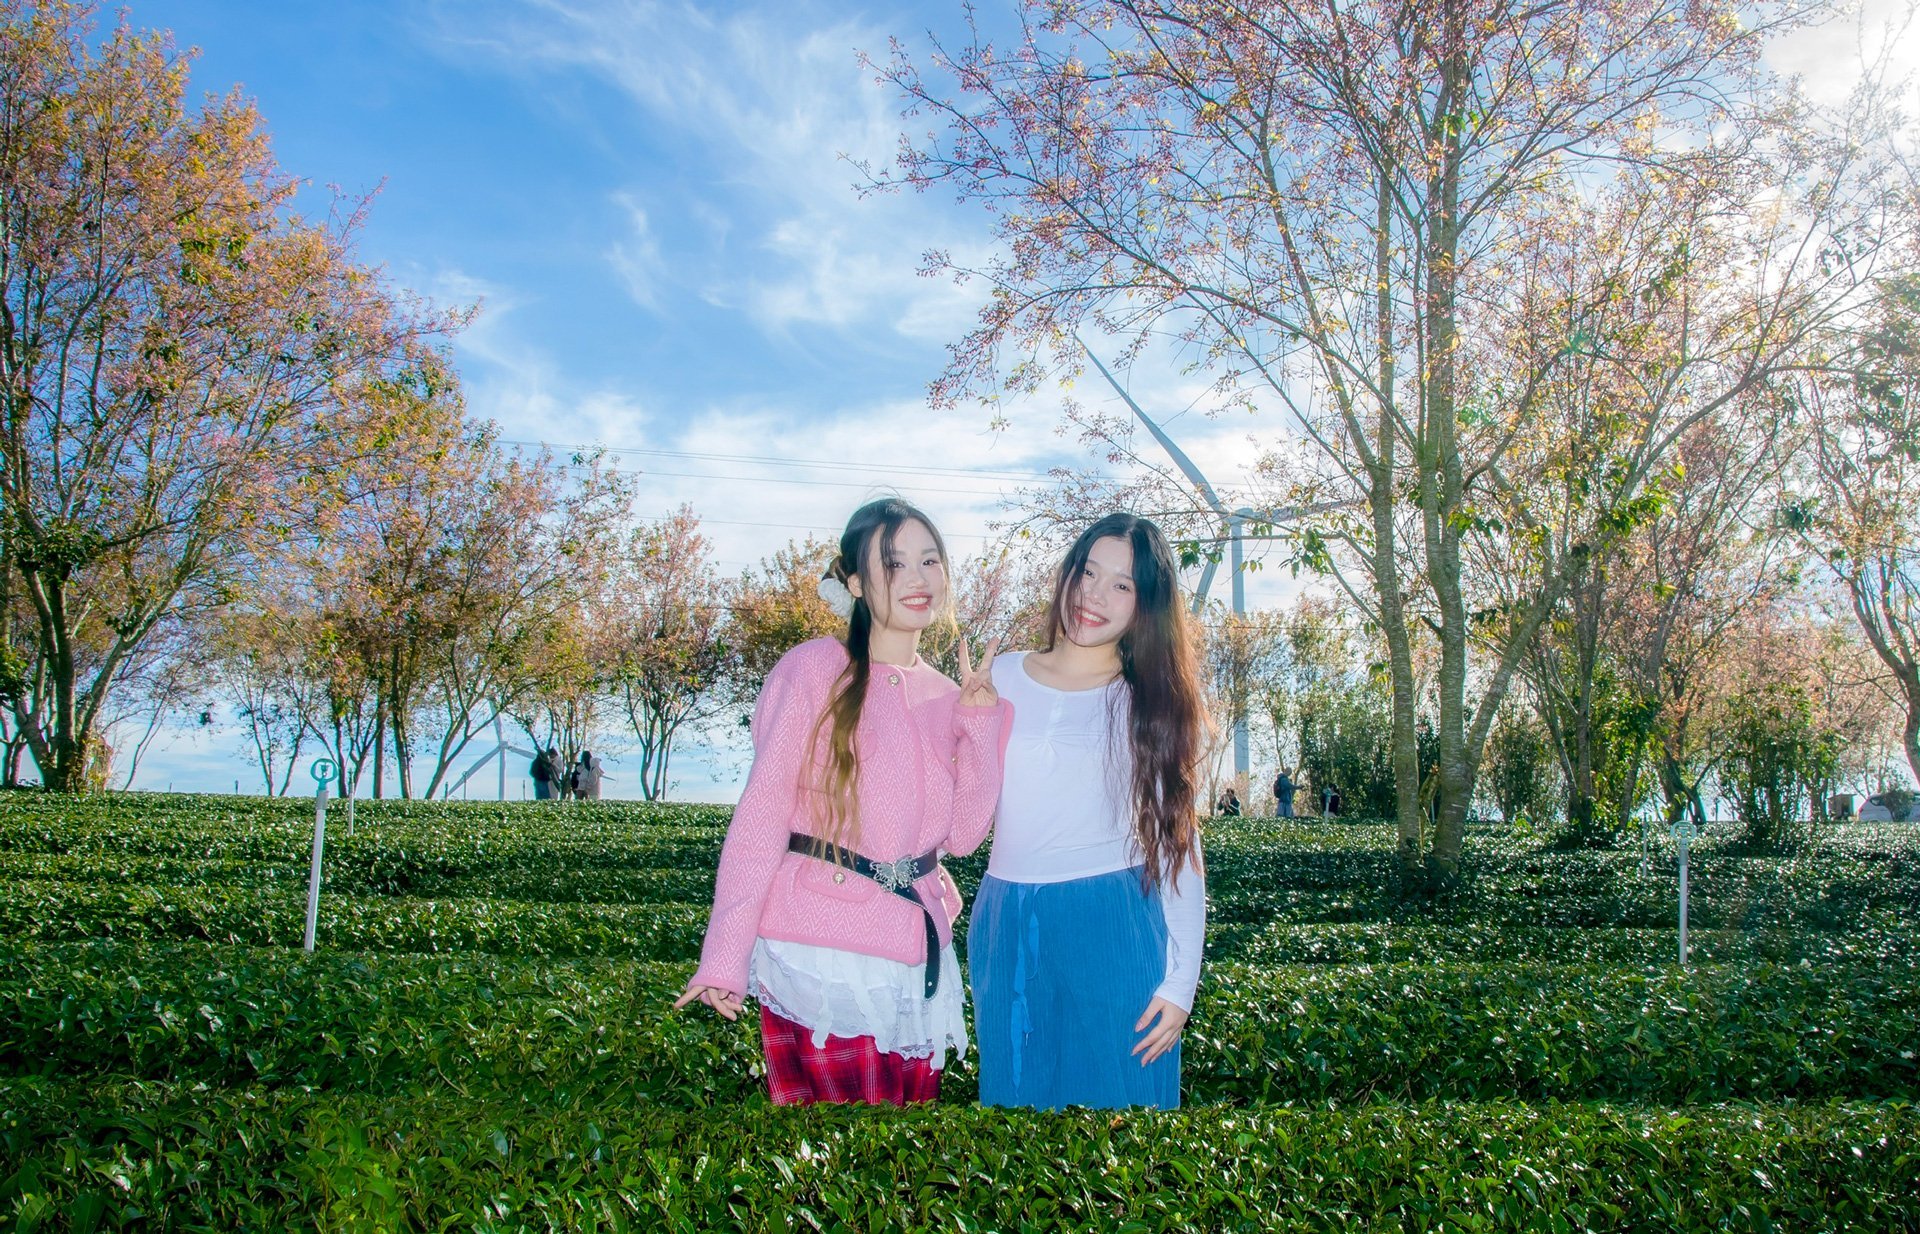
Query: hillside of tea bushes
pixel 483 1040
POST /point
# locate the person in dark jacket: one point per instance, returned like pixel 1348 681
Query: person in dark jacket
pixel 1284 788
pixel 545 770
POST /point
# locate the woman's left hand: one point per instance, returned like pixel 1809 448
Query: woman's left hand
pixel 1164 1035
pixel 976 684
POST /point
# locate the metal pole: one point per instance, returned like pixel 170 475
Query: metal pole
pixel 1683 902
pixel 500 748
pixel 1242 757
pixel 1684 833
pixel 313 872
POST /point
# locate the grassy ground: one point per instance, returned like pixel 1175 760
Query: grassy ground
pixel 482 1040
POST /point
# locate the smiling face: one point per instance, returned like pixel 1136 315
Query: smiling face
pixel 1101 603
pixel 905 583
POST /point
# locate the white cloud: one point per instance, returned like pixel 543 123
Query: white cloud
pixel 776 107
pixel 636 257
pixel 1832 58
pixel 519 386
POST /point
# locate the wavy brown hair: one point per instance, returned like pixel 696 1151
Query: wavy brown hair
pixel 839 780
pixel 1166 718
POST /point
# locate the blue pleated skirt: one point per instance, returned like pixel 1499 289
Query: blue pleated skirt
pixel 1061 973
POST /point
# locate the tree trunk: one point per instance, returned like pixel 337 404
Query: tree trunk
pixel 1411 848
pixel 1912 730
pixel 1441 481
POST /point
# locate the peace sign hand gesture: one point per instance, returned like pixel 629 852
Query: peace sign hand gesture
pixel 976 684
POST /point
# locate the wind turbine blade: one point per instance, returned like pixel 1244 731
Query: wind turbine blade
pixel 1200 588
pixel 1180 459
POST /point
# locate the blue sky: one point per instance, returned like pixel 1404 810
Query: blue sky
pixel 653 205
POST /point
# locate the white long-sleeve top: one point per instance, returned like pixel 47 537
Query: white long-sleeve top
pixel 1066 807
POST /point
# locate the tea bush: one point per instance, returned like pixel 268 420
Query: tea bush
pixel 483 1039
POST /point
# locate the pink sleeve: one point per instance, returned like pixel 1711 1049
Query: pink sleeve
pixel 783 723
pixel 980 756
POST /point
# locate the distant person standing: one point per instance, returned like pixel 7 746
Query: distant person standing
pixel 1333 802
pixel 1283 790
pixel 1229 804
pixel 544 772
pixel 586 777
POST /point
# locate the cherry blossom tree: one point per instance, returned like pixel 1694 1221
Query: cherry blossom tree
pixel 776 607
pixel 1456 248
pixel 179 356
pixel 665 612
pixel 1857 506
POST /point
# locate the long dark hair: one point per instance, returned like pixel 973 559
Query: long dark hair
pixel 840 777
pixel 1166 720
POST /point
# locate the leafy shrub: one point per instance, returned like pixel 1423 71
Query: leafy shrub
pixel 1779 758
pixel 171 1157
pixel 524 1027
pixel 483 1040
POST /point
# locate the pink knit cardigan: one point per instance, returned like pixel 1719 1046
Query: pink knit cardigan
pixel 929 778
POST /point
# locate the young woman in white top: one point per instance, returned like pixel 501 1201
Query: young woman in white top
pixel 1086 936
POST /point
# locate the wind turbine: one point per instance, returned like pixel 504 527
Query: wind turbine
pixel 501 748
pixel 1232 525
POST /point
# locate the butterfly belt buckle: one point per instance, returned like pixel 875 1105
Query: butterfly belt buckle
pixel 895 875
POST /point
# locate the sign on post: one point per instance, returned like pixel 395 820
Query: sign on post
pixel 323 771
pixel 1684 834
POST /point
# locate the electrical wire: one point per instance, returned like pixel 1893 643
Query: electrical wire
pixel 987 473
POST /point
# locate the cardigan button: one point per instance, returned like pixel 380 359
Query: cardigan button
pixel 893 679
pixel 840 876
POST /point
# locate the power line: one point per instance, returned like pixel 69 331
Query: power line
pixel 702 475
pixel 774 461
pixel 825 531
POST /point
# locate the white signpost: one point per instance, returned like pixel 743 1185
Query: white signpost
pixel 1684 833
pixel 322 775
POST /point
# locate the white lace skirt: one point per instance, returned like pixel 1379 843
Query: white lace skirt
pixel 849 994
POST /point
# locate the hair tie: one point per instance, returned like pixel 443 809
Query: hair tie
pixel 838 598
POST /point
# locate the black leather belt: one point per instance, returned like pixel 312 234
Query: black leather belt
pixel 895 876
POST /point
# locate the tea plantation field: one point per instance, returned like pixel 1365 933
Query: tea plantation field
pixel 483 1040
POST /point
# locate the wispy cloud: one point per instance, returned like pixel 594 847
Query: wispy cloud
pixel 636 256
pixel 1870 37
pixel 770 111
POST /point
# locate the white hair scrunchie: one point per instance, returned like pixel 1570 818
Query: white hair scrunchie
pixel 838 598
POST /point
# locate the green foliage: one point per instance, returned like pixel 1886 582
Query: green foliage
pixel 1619 725
pixel 175 1157
pixel 1519 773
pixel 592 1030
pixel 1346 741
pixel 1779 759
pixel 483 1039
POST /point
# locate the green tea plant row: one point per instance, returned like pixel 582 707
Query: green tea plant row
pixel 164 1156
pixel 1248 885
pixel 240 811
pixel 557 884
pixel 268 917
pixel 586 1031
pixel 484 1041
pixel 112 820
pixel 49 909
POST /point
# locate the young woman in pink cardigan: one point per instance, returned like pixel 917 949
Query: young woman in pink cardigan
pixel 830 908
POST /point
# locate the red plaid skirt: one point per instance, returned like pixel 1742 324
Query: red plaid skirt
pixel 845 1070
